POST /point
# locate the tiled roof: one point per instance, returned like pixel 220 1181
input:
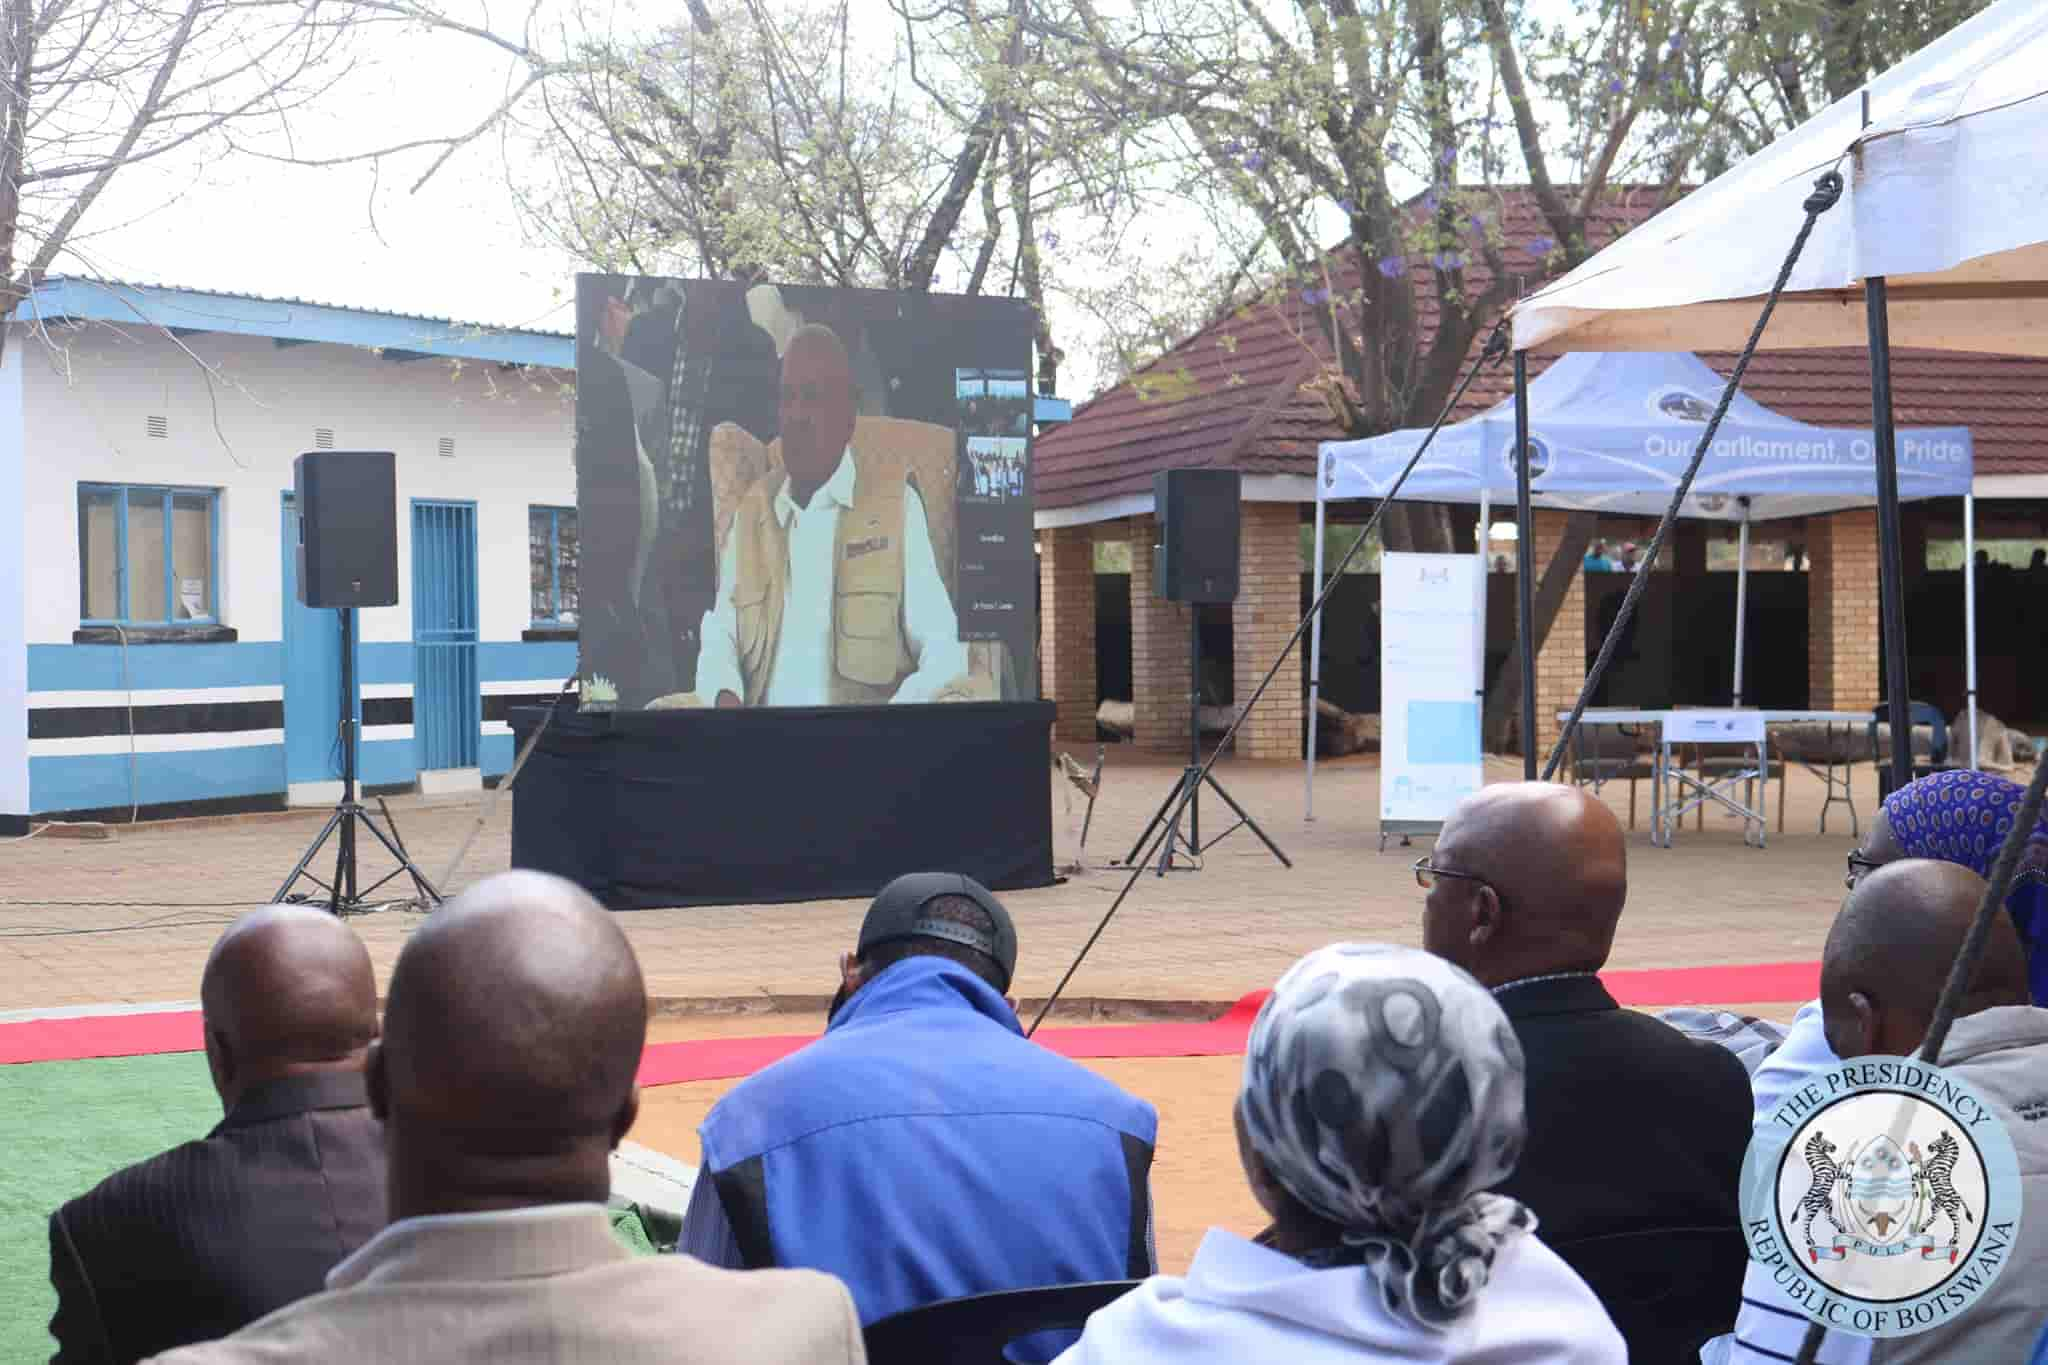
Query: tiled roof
pixel 1230 396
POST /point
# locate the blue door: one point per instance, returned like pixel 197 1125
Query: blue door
pixel 447 704
pixel 312 676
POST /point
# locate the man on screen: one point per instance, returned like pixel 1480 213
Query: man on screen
pixel 829 593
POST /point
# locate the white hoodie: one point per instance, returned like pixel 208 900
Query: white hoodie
pixel 1240 1303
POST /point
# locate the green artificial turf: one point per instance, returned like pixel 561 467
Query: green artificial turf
pixel 63 1127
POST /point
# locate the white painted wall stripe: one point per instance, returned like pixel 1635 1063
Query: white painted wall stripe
pixel 153 744
pixel 385 691
pixel 373 734
pixel 155 696
pixel 502 727
pixel 524 688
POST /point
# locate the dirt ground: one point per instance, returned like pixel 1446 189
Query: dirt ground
pixel 1196 1181
pixel 130 919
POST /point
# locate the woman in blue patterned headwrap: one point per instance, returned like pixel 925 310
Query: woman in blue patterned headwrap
pixel 1963 817
pixel 1382 1097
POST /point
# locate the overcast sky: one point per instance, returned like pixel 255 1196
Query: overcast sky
pixel 358 237
pixel 348 235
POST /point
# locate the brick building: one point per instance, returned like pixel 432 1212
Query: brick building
pixel 1237 395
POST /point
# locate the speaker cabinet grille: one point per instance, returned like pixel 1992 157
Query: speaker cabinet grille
pixel 347 504
pixel 1198 524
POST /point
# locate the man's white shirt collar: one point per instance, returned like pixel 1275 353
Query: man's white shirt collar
pixel 839 488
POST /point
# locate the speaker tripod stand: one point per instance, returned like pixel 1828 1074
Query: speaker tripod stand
pixel 1192 779
pixel 342 896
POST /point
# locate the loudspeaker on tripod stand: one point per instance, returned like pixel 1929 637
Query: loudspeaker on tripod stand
pixel 1195 562
pixel 346 503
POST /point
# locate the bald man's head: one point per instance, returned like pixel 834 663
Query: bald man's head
pixel 286 990
pixel 1890 951
pixel 512 1034
pixel 818 404
pixel 1545 874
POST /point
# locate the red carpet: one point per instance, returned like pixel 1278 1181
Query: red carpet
pixel 718 1059
pixel 103 1035
pixel 1659 987
pixel 711 1059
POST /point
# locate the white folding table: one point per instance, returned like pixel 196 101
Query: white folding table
pixel 1675 792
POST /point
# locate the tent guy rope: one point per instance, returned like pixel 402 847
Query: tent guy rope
pixel 1496 350
pixel 1827 192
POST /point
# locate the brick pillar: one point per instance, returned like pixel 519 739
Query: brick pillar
pixel 1159 652
pixel 1561 663
pixel 1841 611
pixel 1066 628
pixel 1267 609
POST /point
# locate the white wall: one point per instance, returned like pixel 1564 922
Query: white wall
pixel 14 592
pixel 86 406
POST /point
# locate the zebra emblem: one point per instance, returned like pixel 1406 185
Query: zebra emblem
pixel 1882 1201
pixel 1820 1195
pixel 1884 1196
pixel 1937 1171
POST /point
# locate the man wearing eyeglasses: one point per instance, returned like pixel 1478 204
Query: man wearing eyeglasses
pixel 1632 1125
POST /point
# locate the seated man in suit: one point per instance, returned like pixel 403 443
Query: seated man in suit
pixel 512 1033
pixel 1887 958
pixel 924 1149
pixel 829 592
pixel 202 1239
pixel 1632 1125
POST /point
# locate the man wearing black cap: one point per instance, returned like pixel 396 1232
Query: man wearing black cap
pixel 924 1149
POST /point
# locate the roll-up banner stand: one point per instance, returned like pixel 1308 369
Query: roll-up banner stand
pixel 1431 619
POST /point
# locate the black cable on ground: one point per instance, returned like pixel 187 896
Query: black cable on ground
pixel 134 905
pixel 1827 191
pixel 118 928
pixel 1496 350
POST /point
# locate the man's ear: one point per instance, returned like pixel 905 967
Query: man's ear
pixel 1486 916
pixel 220 1060
pixel 622 1123
pixel 378 1082
pixel 1857 1029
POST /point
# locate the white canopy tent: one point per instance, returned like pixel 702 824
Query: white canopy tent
pixel 1613 433
pixel 1946 194
pixel 1941 235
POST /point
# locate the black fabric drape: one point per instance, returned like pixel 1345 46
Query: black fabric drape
pixel 738 807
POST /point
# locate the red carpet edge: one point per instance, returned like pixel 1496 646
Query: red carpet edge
pixel 713 1059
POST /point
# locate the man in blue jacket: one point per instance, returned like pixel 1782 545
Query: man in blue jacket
pixel 924 1149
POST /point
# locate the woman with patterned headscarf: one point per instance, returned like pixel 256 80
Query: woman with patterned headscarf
pixel 1382 1097
pixel 1963 817
pixel 1960 817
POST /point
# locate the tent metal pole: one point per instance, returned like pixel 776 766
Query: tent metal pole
pixel 1891 604
pixel 1525 567
pixel 1315 668
pixel 1891 607
pixel 1970 618
pixel 1741 592
pixel 1479 540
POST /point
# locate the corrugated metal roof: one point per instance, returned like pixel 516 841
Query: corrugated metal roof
pixel 292 319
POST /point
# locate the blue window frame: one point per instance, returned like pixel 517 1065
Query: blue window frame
pixel 148 555
pixel 551 556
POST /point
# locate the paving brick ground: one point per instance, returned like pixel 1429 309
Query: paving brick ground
pixel 1194 936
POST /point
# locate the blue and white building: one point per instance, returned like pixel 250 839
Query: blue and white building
pixel 152 650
